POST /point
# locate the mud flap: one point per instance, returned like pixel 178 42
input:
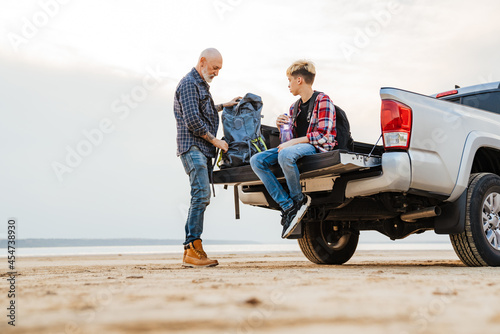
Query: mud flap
pixel 452 218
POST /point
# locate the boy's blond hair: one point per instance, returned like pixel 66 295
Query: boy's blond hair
pixel 304 69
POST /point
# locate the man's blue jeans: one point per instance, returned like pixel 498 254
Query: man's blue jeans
pixel 198 167
pixel 287 159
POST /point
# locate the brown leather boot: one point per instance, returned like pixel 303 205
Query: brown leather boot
pixel 195 256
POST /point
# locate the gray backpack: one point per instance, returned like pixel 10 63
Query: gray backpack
pixel 242 131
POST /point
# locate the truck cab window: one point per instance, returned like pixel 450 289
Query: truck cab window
pixel 486 101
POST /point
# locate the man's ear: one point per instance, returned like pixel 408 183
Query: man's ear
pixel 203 61
pixel 300 80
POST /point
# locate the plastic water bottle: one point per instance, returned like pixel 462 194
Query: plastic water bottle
pixel 286 131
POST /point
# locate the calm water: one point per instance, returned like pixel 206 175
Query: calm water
pixel 172 249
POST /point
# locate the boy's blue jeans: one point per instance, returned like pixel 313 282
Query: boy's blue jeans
pixel 287 159
pixel 198 167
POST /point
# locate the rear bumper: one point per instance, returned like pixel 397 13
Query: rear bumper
pixel 395 177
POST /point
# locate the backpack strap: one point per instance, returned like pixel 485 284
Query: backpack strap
pixel 311 105
pixel 296 109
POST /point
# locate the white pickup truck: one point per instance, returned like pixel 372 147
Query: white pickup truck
pixel 438 169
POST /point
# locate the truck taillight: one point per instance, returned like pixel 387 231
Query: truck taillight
pixel 395 119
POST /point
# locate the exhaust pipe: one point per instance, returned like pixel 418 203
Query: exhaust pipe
pixel 411 217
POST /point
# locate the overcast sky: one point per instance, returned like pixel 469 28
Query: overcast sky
pixel 98 77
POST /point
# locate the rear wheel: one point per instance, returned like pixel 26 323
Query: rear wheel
pixel 324 243
pixel 479 244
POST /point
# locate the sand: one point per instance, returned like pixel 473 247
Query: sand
pixel 375 292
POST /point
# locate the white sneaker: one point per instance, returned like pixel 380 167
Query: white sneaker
pixel 298 213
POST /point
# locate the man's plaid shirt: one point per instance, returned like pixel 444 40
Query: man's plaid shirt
pixel 195 114
pixel 322 130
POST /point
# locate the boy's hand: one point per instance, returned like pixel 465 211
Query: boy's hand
pixel 293 141
pixel 286 144
pixel 282 119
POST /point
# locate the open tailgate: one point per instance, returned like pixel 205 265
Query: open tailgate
pixel 332 163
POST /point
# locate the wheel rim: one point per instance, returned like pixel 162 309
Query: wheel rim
pixel 334 239
pixel 491 220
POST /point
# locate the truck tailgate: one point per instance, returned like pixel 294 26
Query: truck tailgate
pixel 322 164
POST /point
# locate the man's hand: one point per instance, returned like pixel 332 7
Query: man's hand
pixel 282 119
pixel 232 102
pixel 219 143
pixel 216 142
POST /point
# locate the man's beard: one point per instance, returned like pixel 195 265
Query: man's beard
pixel 208 78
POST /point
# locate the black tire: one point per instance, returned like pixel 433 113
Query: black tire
pixel 481 222
pixel 321 244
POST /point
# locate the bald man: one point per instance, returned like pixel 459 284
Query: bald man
pixel 197 124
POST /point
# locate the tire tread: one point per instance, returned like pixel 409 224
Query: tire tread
pixel 463 243
pixel 307 248
pixel 313 246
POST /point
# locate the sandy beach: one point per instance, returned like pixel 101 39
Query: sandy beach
pixel 375 292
